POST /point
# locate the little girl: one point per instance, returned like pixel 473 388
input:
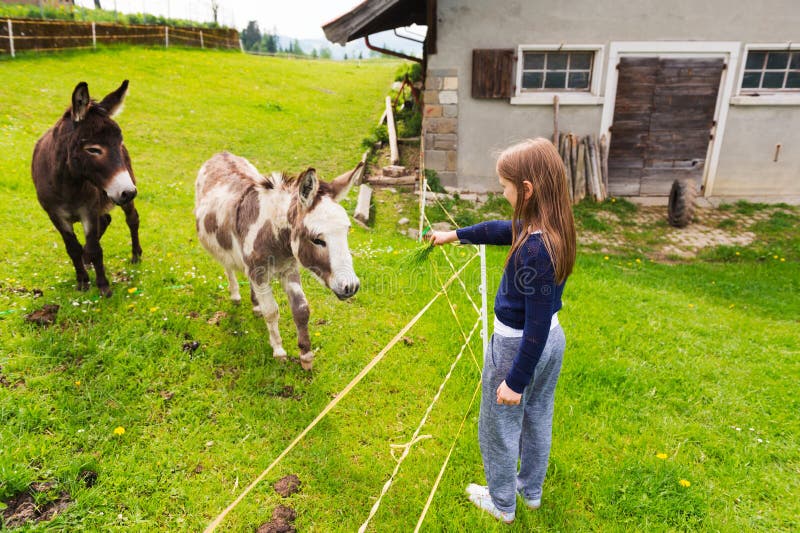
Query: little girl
pixel 523 360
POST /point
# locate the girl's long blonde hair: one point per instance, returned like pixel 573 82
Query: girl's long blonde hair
pixel 549 208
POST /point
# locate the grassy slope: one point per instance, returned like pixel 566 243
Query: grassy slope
pixel 658 359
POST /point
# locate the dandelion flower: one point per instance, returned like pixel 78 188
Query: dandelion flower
pixel 606 258
pixel 732 306
pixel 684 483
pixel 119 430
pixel 774 256
pixel 638 260
pixel 131 290
pixel 613 200
pixel 691 306
pixel 317 334
pixel 737 253
pixel 77 383
pixel 661 455
pixel 153 309
pixel 783 259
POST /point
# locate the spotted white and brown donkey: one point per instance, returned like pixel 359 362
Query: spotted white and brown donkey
pixel 265 226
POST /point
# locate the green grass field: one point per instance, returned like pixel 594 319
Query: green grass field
pixel 693 361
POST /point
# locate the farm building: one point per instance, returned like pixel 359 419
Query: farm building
pixel 708 92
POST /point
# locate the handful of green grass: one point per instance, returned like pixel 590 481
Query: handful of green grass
pixel 419 256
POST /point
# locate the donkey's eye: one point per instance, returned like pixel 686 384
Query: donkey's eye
pixel 94 150
pixel 318 242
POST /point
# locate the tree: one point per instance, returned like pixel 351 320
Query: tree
pixel 314 53
pixel 251 35
pixel 345 56
pixel 269 43
pixel 296 49
pixel 325 53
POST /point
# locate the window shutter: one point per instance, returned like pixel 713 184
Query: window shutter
pixel 492 73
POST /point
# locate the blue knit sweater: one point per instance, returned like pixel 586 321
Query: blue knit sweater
pixel 528 295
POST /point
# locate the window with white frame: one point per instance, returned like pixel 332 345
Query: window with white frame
pixel 556 70
pixel 771 70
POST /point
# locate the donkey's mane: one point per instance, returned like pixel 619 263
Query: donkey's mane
pixel 293 182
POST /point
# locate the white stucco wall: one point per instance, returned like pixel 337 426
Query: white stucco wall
pixel 485 126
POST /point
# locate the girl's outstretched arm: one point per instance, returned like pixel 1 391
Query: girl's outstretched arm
pixel 489 232
pixel 438 238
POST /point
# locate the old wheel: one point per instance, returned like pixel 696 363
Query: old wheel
pixel 680 209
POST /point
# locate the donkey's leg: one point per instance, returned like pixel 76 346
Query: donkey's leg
pixel 233 285
pixel 269 308
pixel 105 221
pixel 74 250
pixel 256 308
pixel 91 228
pixel 132 219
pixel 300 312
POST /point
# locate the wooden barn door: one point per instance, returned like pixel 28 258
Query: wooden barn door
pixel 663 122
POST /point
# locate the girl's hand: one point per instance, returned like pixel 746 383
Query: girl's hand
pixel 438 238
pixel 506 396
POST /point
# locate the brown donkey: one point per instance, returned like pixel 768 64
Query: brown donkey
pixel 267 227
pixel 81 169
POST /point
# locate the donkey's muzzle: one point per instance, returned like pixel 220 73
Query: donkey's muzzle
pixel 348 291
pixel 126 196
pixel 120 188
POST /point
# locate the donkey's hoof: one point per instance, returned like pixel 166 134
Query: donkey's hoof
pixel 83 286
pixel 106 291
pixel 279 354
pixel 136 259
pixel 307 360
pixel 236 301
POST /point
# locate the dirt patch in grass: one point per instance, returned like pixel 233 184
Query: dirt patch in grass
pixel 288 392
pixel 288 485
pixel 46 316
pixel 282 521
pixel 646 231
pixel 34 504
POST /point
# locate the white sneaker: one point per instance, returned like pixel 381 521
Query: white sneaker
pixel 479 495
pixel 530 504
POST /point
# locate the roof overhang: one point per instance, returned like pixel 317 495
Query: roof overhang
pixel 373 16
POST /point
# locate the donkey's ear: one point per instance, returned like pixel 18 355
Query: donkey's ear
pixel 307 188
pixel 340 185
pixel 80 101
pixel 113 102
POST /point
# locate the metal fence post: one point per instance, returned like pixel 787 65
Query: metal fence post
pixel 11 38
pixel 201 40
pixel 94 37
pixel 484 306
pixel 166 36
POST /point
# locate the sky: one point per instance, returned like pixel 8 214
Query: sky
pixel 302 19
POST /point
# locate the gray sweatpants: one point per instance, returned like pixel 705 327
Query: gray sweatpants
pixel 510 432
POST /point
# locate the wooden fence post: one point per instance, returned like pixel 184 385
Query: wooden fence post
pixel 201 40
pixel 94 37
pixel 166 36
pixel 11 38
pixel 394 154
